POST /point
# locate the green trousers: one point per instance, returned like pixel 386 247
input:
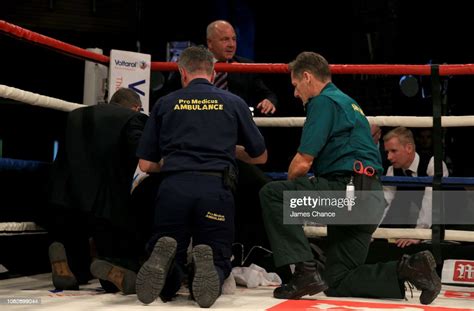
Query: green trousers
pixel 346 273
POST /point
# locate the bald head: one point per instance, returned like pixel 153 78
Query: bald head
pixel 221 40
pixel 217 26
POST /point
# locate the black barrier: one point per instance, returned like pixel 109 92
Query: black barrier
pixel 24 189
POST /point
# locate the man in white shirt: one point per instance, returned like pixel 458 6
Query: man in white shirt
pixel 400 148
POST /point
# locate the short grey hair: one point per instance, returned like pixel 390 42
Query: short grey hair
pixel 197 59
pixel 312 62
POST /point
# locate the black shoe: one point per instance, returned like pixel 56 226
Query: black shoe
pixel 152 275
pixel 109 287
pixel 206 286
pixel 122 278
pixel 419 270
pixel 305 281
pixel 63 278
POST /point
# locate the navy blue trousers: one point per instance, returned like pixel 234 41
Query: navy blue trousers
pixel 193 205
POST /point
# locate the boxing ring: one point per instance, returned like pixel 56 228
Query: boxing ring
pixel 452 299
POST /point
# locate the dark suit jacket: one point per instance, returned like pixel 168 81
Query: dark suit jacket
pixel 249 86
pixel 95 166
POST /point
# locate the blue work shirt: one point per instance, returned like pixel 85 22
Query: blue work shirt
pixel 197 128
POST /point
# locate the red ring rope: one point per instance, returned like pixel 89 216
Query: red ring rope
pixel 69 49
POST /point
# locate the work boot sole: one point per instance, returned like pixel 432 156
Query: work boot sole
pixel 206 284
pixel 426 296
pixel 63 278
pixel 311 289
pixel 152 275
pixel 122 278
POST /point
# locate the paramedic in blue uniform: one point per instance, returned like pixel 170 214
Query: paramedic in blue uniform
pixel 193 137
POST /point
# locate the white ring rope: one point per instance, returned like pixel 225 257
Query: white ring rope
pixel 389 233
pixel 36 99
pixel 310 231
pixel 58 104
pixel 19 227
pixel 447 121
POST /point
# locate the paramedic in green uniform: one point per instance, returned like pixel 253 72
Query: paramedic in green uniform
pixel 335 135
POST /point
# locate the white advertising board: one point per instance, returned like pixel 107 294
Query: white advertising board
pixel 458 271
pixel 131 70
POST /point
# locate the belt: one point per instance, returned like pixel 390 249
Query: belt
pixel 337 174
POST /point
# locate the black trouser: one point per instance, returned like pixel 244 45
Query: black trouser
pixel 345 272
pixel 249 228
pixel 193 205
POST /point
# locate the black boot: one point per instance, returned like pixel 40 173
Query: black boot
pixel 305 281
pixel 206 286
pixel 152 275
pixel 419 269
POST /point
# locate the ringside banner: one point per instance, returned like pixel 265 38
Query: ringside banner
pixel 458 271
pixel 131 70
